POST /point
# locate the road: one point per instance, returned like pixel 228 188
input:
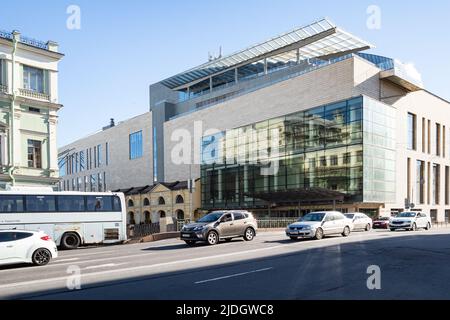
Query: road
pixel 413 265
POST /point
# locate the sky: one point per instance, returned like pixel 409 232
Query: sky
pixel 122 47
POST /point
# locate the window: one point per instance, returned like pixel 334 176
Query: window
pixel 104 181
pixel 155 156
pixel 429 137
pixel 435 183
pixel 438 139
pixel 412 124
pixel 146 202
pixel 147 218
pixel 90 158
pixel 93 183
pixel 79 182
pixel 444 142
pixel 408 179
pixel 179 199
pixel 347 158
pixel 34 110
pixel 323 161
pixel 447 185
pixel 359 156
pixel 100 182
pixel 40 203
pixel 116 204
pixel 334 160
pixel 99 155
pixel 34 154
pixel 82 161
pixel 14 236
pixel 95 157
pixel 71 203
pixel 33 79
pixel 239 216
pixel 107 154
pixel 130 203
pixel 101 204
pixel 423 135
pixel 86 183
pixel 420 182
pixel 9 204
pixel 161 201
pixel 136 145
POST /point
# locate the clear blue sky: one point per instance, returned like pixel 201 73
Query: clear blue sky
pixel 124 46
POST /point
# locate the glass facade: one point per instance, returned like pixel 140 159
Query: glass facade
pixel 316 148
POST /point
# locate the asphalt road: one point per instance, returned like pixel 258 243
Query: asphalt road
pixel 413 265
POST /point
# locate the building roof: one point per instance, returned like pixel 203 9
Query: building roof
pixel 174 186
pixel 320 39
pixel 28 41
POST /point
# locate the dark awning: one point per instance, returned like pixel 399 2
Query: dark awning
pixel 300 196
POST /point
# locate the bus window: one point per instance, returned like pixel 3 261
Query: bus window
pixel 116 204
pixel 71 203
pixel 9 204
pixel 99 203
pixel 40 203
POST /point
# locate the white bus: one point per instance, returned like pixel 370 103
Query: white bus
pixel 72 219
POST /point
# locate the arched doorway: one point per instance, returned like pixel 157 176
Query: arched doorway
pixel 162 214
pixel 147 217
pixel 180 215
pixel 131 219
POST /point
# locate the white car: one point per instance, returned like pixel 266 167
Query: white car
pixel 18 246
pixel 410 221
pixel 319 224
pixel 360 221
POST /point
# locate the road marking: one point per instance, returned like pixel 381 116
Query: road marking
pixel 66 260
pixel 233 275
pixel 109 265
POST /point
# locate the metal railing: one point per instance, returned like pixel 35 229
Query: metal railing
pixel 272 223
pixel 142 230
pixel 34 94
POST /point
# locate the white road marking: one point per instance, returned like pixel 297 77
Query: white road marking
pixel 109 265
pixel 233 275
pixel 65 260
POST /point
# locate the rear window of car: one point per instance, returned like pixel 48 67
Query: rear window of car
pixel 240 216
pixel 22 235
pixel 6 236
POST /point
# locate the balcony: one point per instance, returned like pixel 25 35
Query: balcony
pixel 34 94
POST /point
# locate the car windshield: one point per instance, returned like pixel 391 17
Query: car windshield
pixel 313 217
pixel 383 219
pixel 406 215
pixel 350 216
pixel 211 217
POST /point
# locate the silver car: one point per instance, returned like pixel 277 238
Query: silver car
pixel 220 225
pixel 319 224
pixel 360 221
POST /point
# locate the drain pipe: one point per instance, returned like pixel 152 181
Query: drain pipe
pixel 16 38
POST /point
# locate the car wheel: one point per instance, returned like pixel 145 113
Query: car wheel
pixel 346 232
pixel 212 238
pixel 190 242
pixel 41 257
pixel 368 227
pixel 249 234
pixel 294 238
pixel 428 226
pixel 414 227
pixel 228 240
pixel 319 234
pixel 70 241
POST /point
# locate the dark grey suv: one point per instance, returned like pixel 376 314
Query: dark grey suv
pixel 219 225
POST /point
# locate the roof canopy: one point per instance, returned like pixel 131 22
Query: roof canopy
pixel 321 39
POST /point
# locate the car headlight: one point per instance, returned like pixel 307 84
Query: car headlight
pixel 199 228
pixel 307 227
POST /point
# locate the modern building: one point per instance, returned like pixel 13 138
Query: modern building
pixel 117 157
pixel 28 111
pixel 352 130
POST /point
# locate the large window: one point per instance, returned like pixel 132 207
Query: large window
pixel 412 126
pixel 420 182
pixel 82 161
pixel 33 79
pixel 435 184
pixel 99 155
pixel 34 154
pixel 136 145
pixel 99 203
pixel 40 203
pixel 10 204
pixel 71 203
pixel 438 139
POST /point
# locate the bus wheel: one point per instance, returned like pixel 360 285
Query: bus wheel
pixel 70 241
